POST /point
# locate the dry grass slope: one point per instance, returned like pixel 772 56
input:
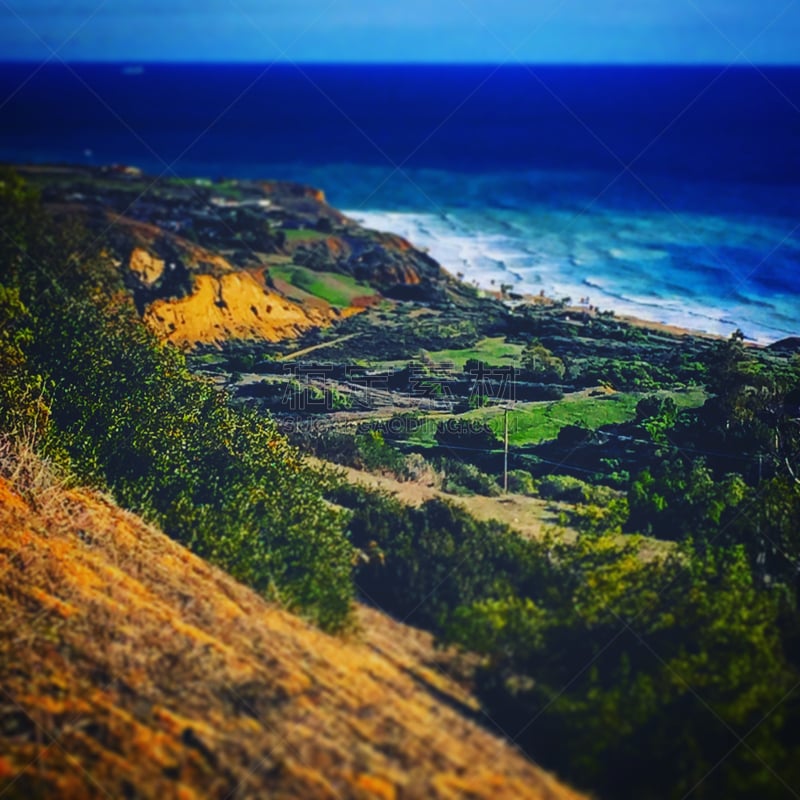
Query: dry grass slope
pixel 130 668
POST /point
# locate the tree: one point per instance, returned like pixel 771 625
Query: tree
pixel 639 679
pixel 676 500
pixel 657 415
pixel 22 407
pixel 541 362
pixel 755 407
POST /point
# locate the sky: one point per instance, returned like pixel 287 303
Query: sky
pixel 493 31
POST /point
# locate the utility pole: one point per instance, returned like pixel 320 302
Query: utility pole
pixel 505 450
pixel 761 558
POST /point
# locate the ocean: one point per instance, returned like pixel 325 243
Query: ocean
pixel 670 193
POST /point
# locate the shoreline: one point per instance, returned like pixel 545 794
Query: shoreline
pixel 487 259
pixel 630 319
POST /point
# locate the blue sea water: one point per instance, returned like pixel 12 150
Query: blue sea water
pixel 672 193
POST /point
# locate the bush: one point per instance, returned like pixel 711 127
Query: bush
pixel 335 446
pixel 541 363
pixel 422 563
pixel 676 500
pixel 220 480
pixel 461 477
pixel 521 482
pixel 567 489
pixel 657 415
pixel 378 456
pixel 22 407
pixel 419 469
pixel 628 375
pixel 640 677
pixel 597 520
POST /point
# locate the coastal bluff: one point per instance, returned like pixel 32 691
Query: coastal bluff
pixel 207 261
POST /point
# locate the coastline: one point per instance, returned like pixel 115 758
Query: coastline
pixel 637 322
pixel 469 246
pixel 675 330
pixel 639 282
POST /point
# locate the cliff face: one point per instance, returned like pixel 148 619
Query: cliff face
pixel 146 268
pixel 233 306
pixel 129 667
pixel 193 253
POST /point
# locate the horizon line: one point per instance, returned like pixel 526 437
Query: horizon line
pixel 135 62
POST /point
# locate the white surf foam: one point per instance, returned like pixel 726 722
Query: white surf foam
pixel 611 261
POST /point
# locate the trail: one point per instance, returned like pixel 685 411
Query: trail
pixel 529 516
pixel 306 350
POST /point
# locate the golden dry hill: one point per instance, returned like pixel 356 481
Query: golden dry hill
pixel 131 668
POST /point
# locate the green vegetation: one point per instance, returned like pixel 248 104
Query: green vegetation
pixel 495 351
pixel 521 482
pixel 462 478
pixel 625 375
pixel 230 189
pixel 190 183
pixel 338 290
pixel 541 363
pixel 303 235
pixel 631 676
pixel 128 415
pixel 641 680
pixel 424 434
pixel 568 489
pixel 530 423
pixel 422 563
pixel 374 454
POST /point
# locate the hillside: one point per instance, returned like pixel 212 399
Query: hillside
pixel 662 676
pixel 209 261
pixel 131 668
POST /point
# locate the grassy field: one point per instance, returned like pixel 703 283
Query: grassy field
pixel 531 423
pixel 495 351
pixel 338 290
pixel 230 189
pixel 303 235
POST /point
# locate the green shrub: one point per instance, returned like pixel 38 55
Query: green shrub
pixel 676 500
pixel 424 562
pixel 600 519
pixel 541 363
pixel 220 480
pixel 462 477
pixel 640 679
pixel 567 489
pixel 521 482
pixel 628 375
pixel 377 455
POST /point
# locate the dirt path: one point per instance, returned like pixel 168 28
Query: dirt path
pixel 530 516
pixel 306 350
